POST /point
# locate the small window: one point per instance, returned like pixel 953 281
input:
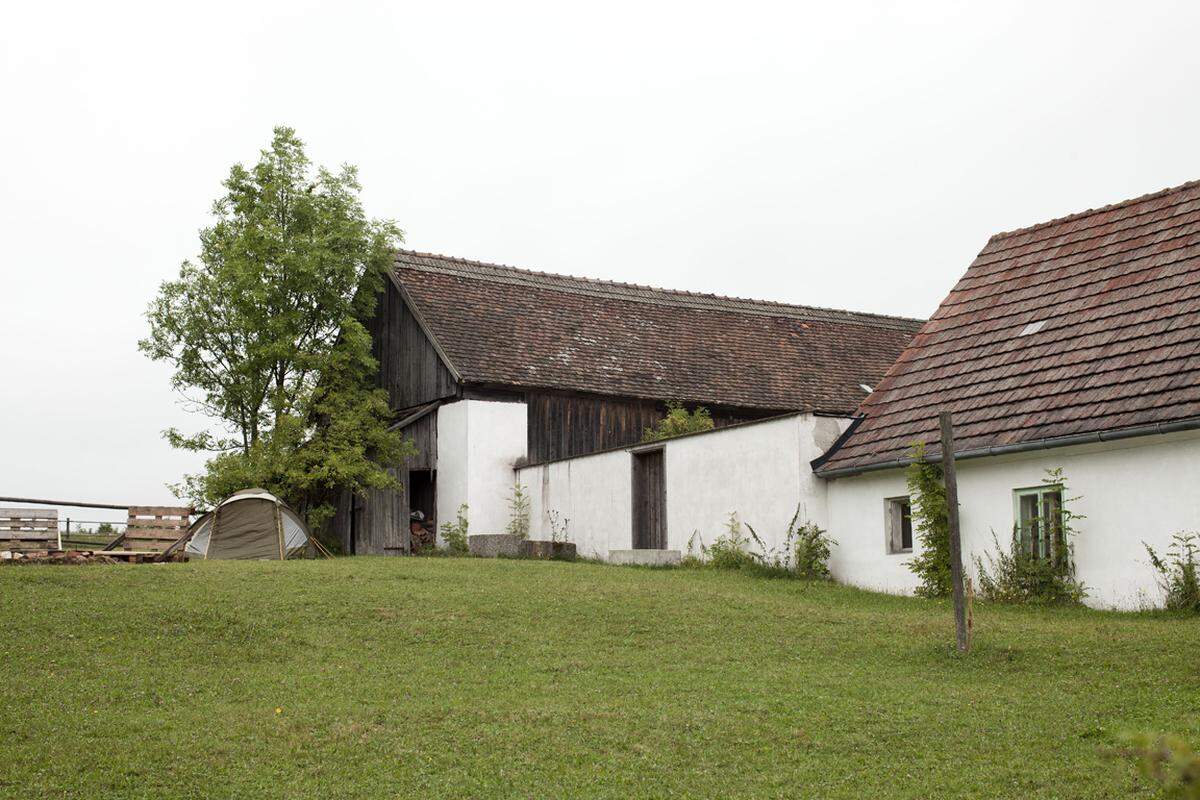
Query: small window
pixel 899 524
pixel 1039 514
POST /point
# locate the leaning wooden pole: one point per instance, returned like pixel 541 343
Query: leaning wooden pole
pixel 956 571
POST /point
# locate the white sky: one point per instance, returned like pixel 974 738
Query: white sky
pixel 836 154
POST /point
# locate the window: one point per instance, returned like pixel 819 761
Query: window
pixel 898 511
pixel 1039 516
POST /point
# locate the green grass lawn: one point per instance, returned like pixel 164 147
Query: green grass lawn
pixel 375 677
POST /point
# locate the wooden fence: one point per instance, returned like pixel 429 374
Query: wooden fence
pixel 28 529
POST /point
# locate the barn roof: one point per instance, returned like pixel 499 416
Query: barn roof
pixel 514 327
pixel 1084 325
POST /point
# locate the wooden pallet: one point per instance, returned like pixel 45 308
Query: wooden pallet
pixel 24 529
pixel 155 528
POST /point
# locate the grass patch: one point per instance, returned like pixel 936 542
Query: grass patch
pixel 494 678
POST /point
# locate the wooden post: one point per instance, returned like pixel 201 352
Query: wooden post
pixel 956 572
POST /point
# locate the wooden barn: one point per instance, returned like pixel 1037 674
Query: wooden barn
pixel 490 367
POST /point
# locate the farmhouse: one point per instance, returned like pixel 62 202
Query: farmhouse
pixel 491 368
pixel 1073 344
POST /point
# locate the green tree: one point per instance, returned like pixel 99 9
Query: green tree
pixel 266 336
pixel 679 421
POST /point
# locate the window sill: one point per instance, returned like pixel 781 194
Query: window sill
pixel 900 552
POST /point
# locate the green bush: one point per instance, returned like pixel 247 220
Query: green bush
pixel 804 553
pixel 1178 572
pixel 1167 761
pixel 929 515
pixel 455 533
pixel 731 549
pixel 813 549
pixel 1019 577
pixel 678 421
pixel 518 507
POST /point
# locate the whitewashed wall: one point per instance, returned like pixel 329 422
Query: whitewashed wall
pixel 478 444
pixel 758 470
pixel 1130 491
pixel 593 492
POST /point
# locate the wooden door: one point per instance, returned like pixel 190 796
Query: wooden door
pixel 649 501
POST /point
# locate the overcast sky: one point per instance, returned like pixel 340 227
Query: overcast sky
pixel 854 155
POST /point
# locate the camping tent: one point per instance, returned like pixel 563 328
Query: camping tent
pixel 250 524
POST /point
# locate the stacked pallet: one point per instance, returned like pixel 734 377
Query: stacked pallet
pixel 155 528
pixel 28 529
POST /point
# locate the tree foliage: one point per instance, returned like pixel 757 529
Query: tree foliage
pixel 930 515
pixel 679 421
pixel 266 335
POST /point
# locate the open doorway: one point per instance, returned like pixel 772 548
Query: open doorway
pixel 649 501
pixel 422 497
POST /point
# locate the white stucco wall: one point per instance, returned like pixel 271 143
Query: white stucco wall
pixel 478 444
pixel 1131 490
pixel 759 470
pixel 594 493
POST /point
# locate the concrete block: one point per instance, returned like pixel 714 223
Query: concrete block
pixel 494 545
pixel 647 558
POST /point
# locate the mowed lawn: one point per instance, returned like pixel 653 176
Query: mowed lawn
pixel 378 677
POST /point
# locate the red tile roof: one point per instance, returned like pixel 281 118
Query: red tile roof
pixel 1085 324
pixel 500 325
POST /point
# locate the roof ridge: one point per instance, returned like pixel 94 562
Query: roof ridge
pixel 681 293
pixel 1088 212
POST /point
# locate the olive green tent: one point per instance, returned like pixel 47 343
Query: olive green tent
pixel 250 524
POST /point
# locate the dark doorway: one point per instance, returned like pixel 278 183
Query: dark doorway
pixel 422 496
pixel 649 501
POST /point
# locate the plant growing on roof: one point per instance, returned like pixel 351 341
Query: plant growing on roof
pixel 679 421
pixel 518 508
pixel 928 493
pixel 266 336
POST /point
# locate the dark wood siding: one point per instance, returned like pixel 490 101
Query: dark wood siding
pixel 409 366
pixel 649 501
pixel 563 425
pixel 379 522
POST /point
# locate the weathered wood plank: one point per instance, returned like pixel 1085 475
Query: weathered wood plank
pixel 159 511
pixel 28 513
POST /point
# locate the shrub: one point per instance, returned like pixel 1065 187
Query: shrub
pixel 813 551
pixel 730 550
pixel 1167 761
pixel 518 507
pixel 929 513
pixel 559 527
pixel 804 553
pixel 455 533
pixel 1019 577
pixel 1178 572
pixel 678 421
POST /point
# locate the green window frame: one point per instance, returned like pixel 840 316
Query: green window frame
pixel 1039 520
